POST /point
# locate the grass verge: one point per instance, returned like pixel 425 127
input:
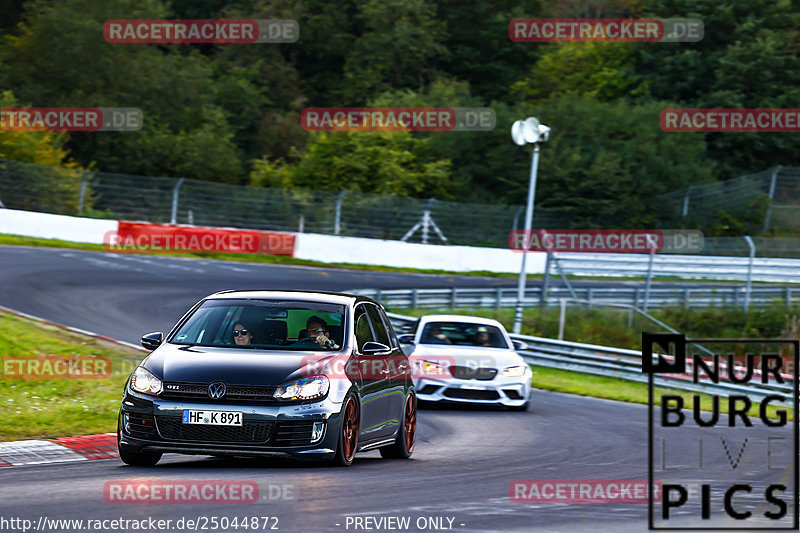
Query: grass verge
pixel 47 408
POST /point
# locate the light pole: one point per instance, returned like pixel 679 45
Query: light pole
pixel 528 131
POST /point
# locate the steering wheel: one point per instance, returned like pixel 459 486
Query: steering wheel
pixel 308 341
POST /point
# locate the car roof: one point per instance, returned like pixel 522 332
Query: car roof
pixel 309 296
pixel 461 318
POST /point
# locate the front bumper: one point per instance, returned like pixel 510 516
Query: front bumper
pixel 510 392
pixel 153 424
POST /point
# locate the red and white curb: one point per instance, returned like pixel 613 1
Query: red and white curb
pixel 62 450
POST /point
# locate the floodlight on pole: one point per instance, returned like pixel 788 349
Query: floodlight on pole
pixel 528 131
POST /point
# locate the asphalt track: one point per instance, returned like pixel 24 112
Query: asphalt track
pixel 463 464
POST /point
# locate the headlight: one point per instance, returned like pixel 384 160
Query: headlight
pixel 144 381
pixel 303 389
pixel 515 371
pixel 429 367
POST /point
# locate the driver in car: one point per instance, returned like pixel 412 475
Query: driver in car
pixel 317 329
pixel 241 335
pixel 481 337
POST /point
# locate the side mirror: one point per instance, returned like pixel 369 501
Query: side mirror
pixel 151 341
pixel 406 338
pixel 374 348
pixel 519 345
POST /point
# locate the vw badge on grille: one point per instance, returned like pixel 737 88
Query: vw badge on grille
pixel 216 390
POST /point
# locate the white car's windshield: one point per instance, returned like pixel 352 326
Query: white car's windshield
pixel 264 324
pixel 463 334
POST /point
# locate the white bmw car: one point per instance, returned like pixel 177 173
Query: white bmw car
pixel 467 359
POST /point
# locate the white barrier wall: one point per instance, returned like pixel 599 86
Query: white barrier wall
pixel 62 227
pixel 333 249
pixel 323 248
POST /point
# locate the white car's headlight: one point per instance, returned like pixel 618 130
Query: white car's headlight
pixel 144 381
pixel 429 367
pixel 515 371
pixel 303 389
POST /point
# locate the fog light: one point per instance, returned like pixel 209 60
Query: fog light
pixel 316 431
pixel 126 422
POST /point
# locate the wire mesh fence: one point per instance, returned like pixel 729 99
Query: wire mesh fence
pixel 203 203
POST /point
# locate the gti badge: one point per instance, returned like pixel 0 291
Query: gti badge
pixel 216 390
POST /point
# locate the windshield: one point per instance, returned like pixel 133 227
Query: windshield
pixel 264 324
pixel 463 334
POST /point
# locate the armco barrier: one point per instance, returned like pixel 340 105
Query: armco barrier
pixel 135 236
pixel 696 297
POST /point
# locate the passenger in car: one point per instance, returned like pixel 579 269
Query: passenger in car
pixel 317 329
pixel 435 336
pixel 242 335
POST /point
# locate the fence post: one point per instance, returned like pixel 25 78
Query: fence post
pixel 414 298
pixel 546 279
pixel 636 297
pixel 191 217
pixel 174 218
pixel 453 298
pixel 337 222
pixel 772 184
pixel 749 271
pixel 685 210
pixel 516 219
pixel 302 224
pixel 649 272
pixel 82 196
pixel 561 318
pixel 498 298
pixel 788 296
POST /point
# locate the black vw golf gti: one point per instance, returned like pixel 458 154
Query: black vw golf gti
pixel 306 374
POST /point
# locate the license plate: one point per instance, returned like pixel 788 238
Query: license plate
pixel 212 418
pixel 472 387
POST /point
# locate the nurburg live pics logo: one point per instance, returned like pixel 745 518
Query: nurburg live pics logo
pixel 726 452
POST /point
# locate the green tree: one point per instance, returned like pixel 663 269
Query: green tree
pixel 58 57
pixel 749 57
pixel 373 162
pixel 605 161
pixel 602 71
pixel 396 47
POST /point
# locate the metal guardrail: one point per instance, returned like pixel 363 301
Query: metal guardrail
pixel 504 297
pixel 615 362
pixel 764 269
